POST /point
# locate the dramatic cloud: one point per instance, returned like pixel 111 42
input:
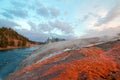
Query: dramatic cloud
pixel 7 15
pixel 84 18
pixel 52 29
pixel 106 32
pixel 43 11
pixel 32 35
pixel 63 26
pixel 17 12
pixel 39 36
pixel 54 12
pixel 7 23
pixel 41 27
pixel 45 27
pixel 87 16
pixel 52 26
pixel 39 19
pixel 17 3
pixel 111 15
pixel 103 23
pixel 47 11
pixel 33 26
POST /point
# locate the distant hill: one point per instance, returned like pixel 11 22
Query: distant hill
pixel 10 38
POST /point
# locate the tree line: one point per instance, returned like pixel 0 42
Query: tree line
pixel 9 37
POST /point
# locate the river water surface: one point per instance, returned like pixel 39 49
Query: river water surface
pixel 10 59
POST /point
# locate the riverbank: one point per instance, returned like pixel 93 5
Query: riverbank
pixel 10 48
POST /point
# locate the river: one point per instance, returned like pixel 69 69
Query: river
pixel 10 59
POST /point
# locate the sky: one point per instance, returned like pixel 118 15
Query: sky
pixel 68 19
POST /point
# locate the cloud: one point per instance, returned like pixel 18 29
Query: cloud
pixel 46 11
pixel 7 23
pixel 104 22
pixel 85 18
pixel 89 15
pixel 17 3
pixel 41 27
pixel 33 25
pixel 7 15
pixel 36 7
pixel 43 11
pixel 17 13
pixel 39 36
pixel 45 27
pixel 49 27
pixel 63 26
pixel 54 12
pixel 52 29
pixel 111 15
pixel 111 29
pixel 32 35
pixel 106 32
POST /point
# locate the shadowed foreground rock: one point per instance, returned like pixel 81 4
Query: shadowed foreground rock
pixel 90 63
